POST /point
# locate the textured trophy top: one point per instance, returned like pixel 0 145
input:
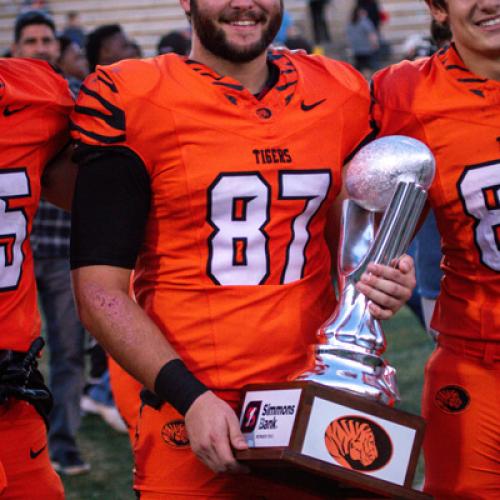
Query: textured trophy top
pixel 375 171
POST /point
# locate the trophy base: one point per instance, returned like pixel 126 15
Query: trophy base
pixel 340 442
pixel 365 374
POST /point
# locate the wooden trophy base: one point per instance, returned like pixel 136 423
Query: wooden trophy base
pixel 330 442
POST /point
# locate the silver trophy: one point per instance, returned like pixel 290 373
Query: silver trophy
pixel 391 174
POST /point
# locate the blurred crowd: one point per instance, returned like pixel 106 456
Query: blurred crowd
pixel 363 43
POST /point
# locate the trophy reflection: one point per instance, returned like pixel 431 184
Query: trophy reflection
pixel 392 174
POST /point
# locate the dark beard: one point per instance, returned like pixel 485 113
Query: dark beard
pixel 214 38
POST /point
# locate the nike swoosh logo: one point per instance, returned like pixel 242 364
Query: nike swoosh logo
pixel 34 454
pixel 308 107
pixel 9 111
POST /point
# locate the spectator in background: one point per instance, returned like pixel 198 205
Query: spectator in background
pixel 72 63
pixel 105 45
pixel 363 40
pixel 35 37
pixel 134 50
pixel 175 42
pixel 29 5
pixel 377 17
pixel 320 26
pixel 298 42
pixel 373 11
pixel 73 29
pixel 286 25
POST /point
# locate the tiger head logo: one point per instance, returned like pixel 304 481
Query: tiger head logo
pixel 174 434
pixel 452 399
pixel 358 443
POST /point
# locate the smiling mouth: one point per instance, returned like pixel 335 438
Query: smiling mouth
pixel 243 23
pixel 489 22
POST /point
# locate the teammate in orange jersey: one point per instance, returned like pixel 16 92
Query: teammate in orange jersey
pixel 214 177
pixel 35 103
pixel 451 101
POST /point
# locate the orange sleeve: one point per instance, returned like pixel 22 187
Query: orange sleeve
pixel 356 110
pixel 392 97
pixel 38 90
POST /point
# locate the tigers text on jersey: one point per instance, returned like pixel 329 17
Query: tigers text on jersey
pixel 457 113
pixel 234 267
pixel 34 109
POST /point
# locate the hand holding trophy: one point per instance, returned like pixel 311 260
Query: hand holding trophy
pixel 336 420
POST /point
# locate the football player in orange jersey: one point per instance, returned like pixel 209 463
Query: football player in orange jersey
pixel 451 101
pixel 213 177
pixel 35 103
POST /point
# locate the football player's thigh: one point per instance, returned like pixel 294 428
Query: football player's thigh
pixel 126 393
pixel 461 404
pixel 24 455
pixel 167 468
pixel 164 462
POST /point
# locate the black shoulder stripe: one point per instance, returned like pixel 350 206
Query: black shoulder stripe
pixel 231 99
pixel 477 92
pixel 286 85
pixel 229 85
pixel 110 85
pixel 98 137
pixel 109 119
pixel 117 117
pixel 215 77
pixel 472 80
pixel 456 66
pixel 106 79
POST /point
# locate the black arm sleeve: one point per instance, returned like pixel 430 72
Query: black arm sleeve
pixel 110 207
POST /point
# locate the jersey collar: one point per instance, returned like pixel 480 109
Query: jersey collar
pixel 455 67
pixel 281 93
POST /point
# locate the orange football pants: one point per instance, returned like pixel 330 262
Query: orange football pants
pixel 165 466
pixel 24 455
pixel 461 404
pixel 126 393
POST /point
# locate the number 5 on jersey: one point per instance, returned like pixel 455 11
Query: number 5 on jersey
pixel 239 207
pixel 13 227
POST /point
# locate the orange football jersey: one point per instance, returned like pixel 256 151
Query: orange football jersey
pixel 35 103
pixel 234 267
pixel 457 114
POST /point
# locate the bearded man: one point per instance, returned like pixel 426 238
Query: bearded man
pixel 205 175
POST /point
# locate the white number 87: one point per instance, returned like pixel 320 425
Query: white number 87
pixel 239 209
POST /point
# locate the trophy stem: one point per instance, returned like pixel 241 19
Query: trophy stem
pixel 350 357
pixel 397 225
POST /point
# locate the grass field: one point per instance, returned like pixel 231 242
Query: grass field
pixel 109 452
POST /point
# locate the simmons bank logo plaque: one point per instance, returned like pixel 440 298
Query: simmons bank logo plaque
pixel 358 443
